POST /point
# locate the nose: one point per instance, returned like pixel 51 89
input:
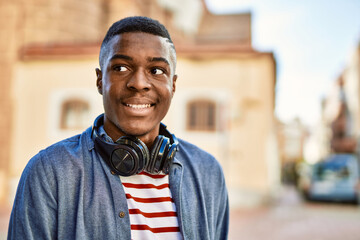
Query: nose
pixel 139 81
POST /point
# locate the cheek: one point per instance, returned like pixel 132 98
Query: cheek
pixel 167 95
pixel 165 91
pixel 111 90
pixel 110 98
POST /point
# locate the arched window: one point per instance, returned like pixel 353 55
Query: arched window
pixel 201 115
pixel 74 114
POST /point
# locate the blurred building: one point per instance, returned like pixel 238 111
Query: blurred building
pixel 225 90
pixel 351 85
pixel 341 110
pixel 291 140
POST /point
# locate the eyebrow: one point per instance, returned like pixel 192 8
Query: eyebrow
pixel 120 56
pixel 150 59
pixel 159 59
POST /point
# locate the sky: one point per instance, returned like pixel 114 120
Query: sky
pixel 312 41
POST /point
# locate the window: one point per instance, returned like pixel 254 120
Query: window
pixel 201 115
pixel 74 114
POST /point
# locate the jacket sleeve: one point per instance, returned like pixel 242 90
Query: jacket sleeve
pixel 222 227
pixel 34 213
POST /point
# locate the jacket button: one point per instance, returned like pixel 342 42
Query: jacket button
pixel 122 214
pixel 112 172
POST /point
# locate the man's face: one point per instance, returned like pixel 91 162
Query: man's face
pixel 137 83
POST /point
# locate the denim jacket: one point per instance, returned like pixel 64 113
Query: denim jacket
pixel 68 192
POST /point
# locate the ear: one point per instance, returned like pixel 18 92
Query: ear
pixel 174 83
pixel 99 80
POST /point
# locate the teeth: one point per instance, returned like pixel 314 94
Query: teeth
pixel 138 106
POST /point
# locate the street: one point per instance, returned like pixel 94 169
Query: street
pixel 293 219
pixel 289 218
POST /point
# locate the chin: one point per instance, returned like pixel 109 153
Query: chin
pixel 138 129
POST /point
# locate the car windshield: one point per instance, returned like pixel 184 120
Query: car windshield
pixel 323 172
pixel 333 169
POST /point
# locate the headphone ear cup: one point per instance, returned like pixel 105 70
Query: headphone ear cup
pixel 158 153
pixel 169 159
pixel 153 153
pixel 124 160
pixel 137 149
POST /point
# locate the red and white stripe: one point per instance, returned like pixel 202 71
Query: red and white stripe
pixel 151 207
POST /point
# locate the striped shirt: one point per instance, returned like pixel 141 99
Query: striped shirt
pixel 151 208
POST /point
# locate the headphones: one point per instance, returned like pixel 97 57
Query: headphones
pixel 129 155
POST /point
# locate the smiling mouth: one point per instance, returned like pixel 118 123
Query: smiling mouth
pixel 139 106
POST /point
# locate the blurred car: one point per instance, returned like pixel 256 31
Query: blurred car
pixel 335 179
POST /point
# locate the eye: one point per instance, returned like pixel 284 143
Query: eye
pixel 120 68
pixel 156 71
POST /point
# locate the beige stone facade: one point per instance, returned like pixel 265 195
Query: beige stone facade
pixel 51 52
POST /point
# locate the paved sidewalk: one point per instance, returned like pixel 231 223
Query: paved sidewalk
pixel 292 218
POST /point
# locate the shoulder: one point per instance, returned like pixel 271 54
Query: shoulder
pixel 61 151
pixel 60 155
pixel 189 148
pixel 71 146
pixel 192 156
pixel 63 147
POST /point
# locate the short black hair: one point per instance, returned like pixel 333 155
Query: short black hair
pixel 134 24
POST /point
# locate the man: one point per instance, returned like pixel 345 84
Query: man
pixel 126 177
